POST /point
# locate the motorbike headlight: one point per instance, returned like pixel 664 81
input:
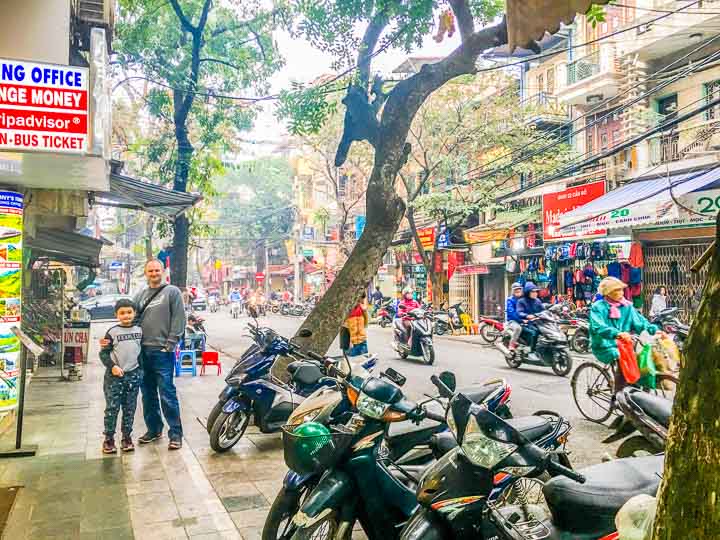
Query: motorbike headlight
pixel 305 416
pixel 371 407
pixel 482 450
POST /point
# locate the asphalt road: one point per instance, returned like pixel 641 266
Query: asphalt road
pixel 533 388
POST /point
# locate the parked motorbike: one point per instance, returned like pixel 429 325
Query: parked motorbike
pixel 252 393
pixel 235 309
pixel 644 412
pixel 419 344
pixel 551 348
pixel 408 446
pixel 669 322
pixel 454 493
pixel 490 329
pixel 386 314
pixel 580 339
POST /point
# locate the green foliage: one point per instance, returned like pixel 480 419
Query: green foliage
pixel 596 14
pixel 306 109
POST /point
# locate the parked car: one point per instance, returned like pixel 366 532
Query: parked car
pixel 103 306
pixel 200 302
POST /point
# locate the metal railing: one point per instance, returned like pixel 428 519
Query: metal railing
pixel 583 68
pixel 665 149
pixel 548 104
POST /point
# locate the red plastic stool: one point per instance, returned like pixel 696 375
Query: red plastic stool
pixel 210 358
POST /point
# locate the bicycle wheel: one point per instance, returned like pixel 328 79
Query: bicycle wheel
pixel 593 390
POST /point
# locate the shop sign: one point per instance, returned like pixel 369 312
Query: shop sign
pixel 43 107
pixel 308 233
pixel 473 269
pixel 359 226
pixel 443 240
pixel 76 337
pixel 698 208
pixel 115 265
pixel 11 218
pixel 562 202
pixel 308 253
pixel 427 238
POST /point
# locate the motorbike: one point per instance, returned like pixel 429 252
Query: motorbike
pixel 408 446
pixel 419 344
pixel 551 348
pixel 235 309
pixel 669 322
pixel 386 314
pixel 197 324
pixel 644 412
pixel 213 304
pixel 580 338
pixel 490 329
pixel 251 392
pixel 453 495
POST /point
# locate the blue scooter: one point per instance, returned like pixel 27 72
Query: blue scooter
pixel 252 392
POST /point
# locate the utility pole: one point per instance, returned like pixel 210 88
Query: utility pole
pixel 267 269
pixel 297 286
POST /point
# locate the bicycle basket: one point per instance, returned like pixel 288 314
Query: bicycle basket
pixel 309 451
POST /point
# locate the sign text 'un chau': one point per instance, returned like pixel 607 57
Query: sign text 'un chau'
pixel 43 107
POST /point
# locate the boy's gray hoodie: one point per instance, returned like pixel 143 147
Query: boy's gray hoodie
pixel 163 320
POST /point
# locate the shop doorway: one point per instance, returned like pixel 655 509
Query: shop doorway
pixel 668 265
pixel 491 294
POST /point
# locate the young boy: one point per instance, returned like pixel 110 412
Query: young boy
pixel 123 376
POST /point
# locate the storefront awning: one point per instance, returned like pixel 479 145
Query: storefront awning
pixel 645 202
pixel 127 192
pixel 65 247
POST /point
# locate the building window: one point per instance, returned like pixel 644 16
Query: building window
pixel 551 81
pixel 342 185
pixel 712 92
pixel 540 83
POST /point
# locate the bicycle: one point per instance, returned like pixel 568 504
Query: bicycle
pixel 595 399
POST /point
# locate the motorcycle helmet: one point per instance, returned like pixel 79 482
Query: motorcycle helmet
pixel 311 444
pixel 530 287
pixel 406 291
pixel 515 286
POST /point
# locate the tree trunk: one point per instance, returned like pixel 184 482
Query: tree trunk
pixel 149 254
pixel 688 501
pixel 181 225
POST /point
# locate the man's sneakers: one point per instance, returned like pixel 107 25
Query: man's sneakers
pixel 108 446
pixel 126 445
pixel 175 444
pixel 149 437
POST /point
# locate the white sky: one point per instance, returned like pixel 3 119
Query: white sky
pixel 304 63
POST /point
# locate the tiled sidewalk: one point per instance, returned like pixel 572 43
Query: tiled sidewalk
pixel 70 490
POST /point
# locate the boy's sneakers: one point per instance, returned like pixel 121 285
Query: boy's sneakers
pixel 108 446
pixel 175 444
pixel 127 445
pixel 149 437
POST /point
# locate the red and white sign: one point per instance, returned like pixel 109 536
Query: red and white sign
pixel 43 107
pixel 76 337
pixel 562 202
pixel 473 269
pixel 260 276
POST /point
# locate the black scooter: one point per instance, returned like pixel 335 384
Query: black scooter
pixel 646 413
pixel 551 348
pixel 453 493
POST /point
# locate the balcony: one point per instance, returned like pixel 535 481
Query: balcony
pixel 546 111
pixel 664 149
pixel 593 78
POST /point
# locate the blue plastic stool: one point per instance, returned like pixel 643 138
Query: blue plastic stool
pixel 182 354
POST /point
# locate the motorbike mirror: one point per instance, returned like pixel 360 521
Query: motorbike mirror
pixel 460 408
pixel 448 379
pixel 394 376
pixel 305 333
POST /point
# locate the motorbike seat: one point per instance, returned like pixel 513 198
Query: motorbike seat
pixel 304 373
pixel 479 393
pixel 441 443
pixel 591 507
pixel 533 428
pixel 656 407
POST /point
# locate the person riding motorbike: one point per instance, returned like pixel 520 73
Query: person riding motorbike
pixel 513 322
pixel 527 309
pixel 612 318
pixel 406 305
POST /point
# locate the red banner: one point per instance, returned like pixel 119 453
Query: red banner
pixel 455 259
pixel 427 238
pixel 562 202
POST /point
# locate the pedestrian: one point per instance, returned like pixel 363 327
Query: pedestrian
pixel 123 376
pixel 162 317
pixel 612 318
pixel 356 324
pixel 659 301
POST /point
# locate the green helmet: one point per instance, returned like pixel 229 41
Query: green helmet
pixel 311 429
pixel 312 438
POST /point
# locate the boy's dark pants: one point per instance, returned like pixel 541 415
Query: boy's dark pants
pixel 121 393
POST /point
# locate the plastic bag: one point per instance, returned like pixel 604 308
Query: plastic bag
pixel 635 519
pixel 647 367
pixel 628 361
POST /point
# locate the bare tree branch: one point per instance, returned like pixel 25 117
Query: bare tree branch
pixel 367 47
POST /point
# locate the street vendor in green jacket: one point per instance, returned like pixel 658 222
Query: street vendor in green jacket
pixel 613 318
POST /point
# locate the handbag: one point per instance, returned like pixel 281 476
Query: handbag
pixel 628 361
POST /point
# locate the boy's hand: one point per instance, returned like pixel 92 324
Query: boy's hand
pixel 104 342
pixel 117 371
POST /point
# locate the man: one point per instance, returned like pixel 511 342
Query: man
pixel 527 309
pixel 377 296
pixel 162 318
pixel 513 322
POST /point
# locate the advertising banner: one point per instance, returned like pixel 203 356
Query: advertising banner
pixel 43 107
pixel 11 217
pixel 427 238
pixel 562 202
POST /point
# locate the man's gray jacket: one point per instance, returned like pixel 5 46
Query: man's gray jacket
pixel 163 320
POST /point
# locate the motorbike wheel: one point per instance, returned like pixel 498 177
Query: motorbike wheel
pixel 383 323
pixel 562 363
pixel 221 440
pixel 275 309
pixel 513 360
pixel 326 529
pixel 214 413
pixel 440 328
pixel 637 446
pixel 279 524
pixel 580 342
pixel 489 333
pixel 428 353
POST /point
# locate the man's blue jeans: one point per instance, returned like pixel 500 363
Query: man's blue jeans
pixel 158 372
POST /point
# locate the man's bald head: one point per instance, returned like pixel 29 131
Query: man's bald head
pixel 154 269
